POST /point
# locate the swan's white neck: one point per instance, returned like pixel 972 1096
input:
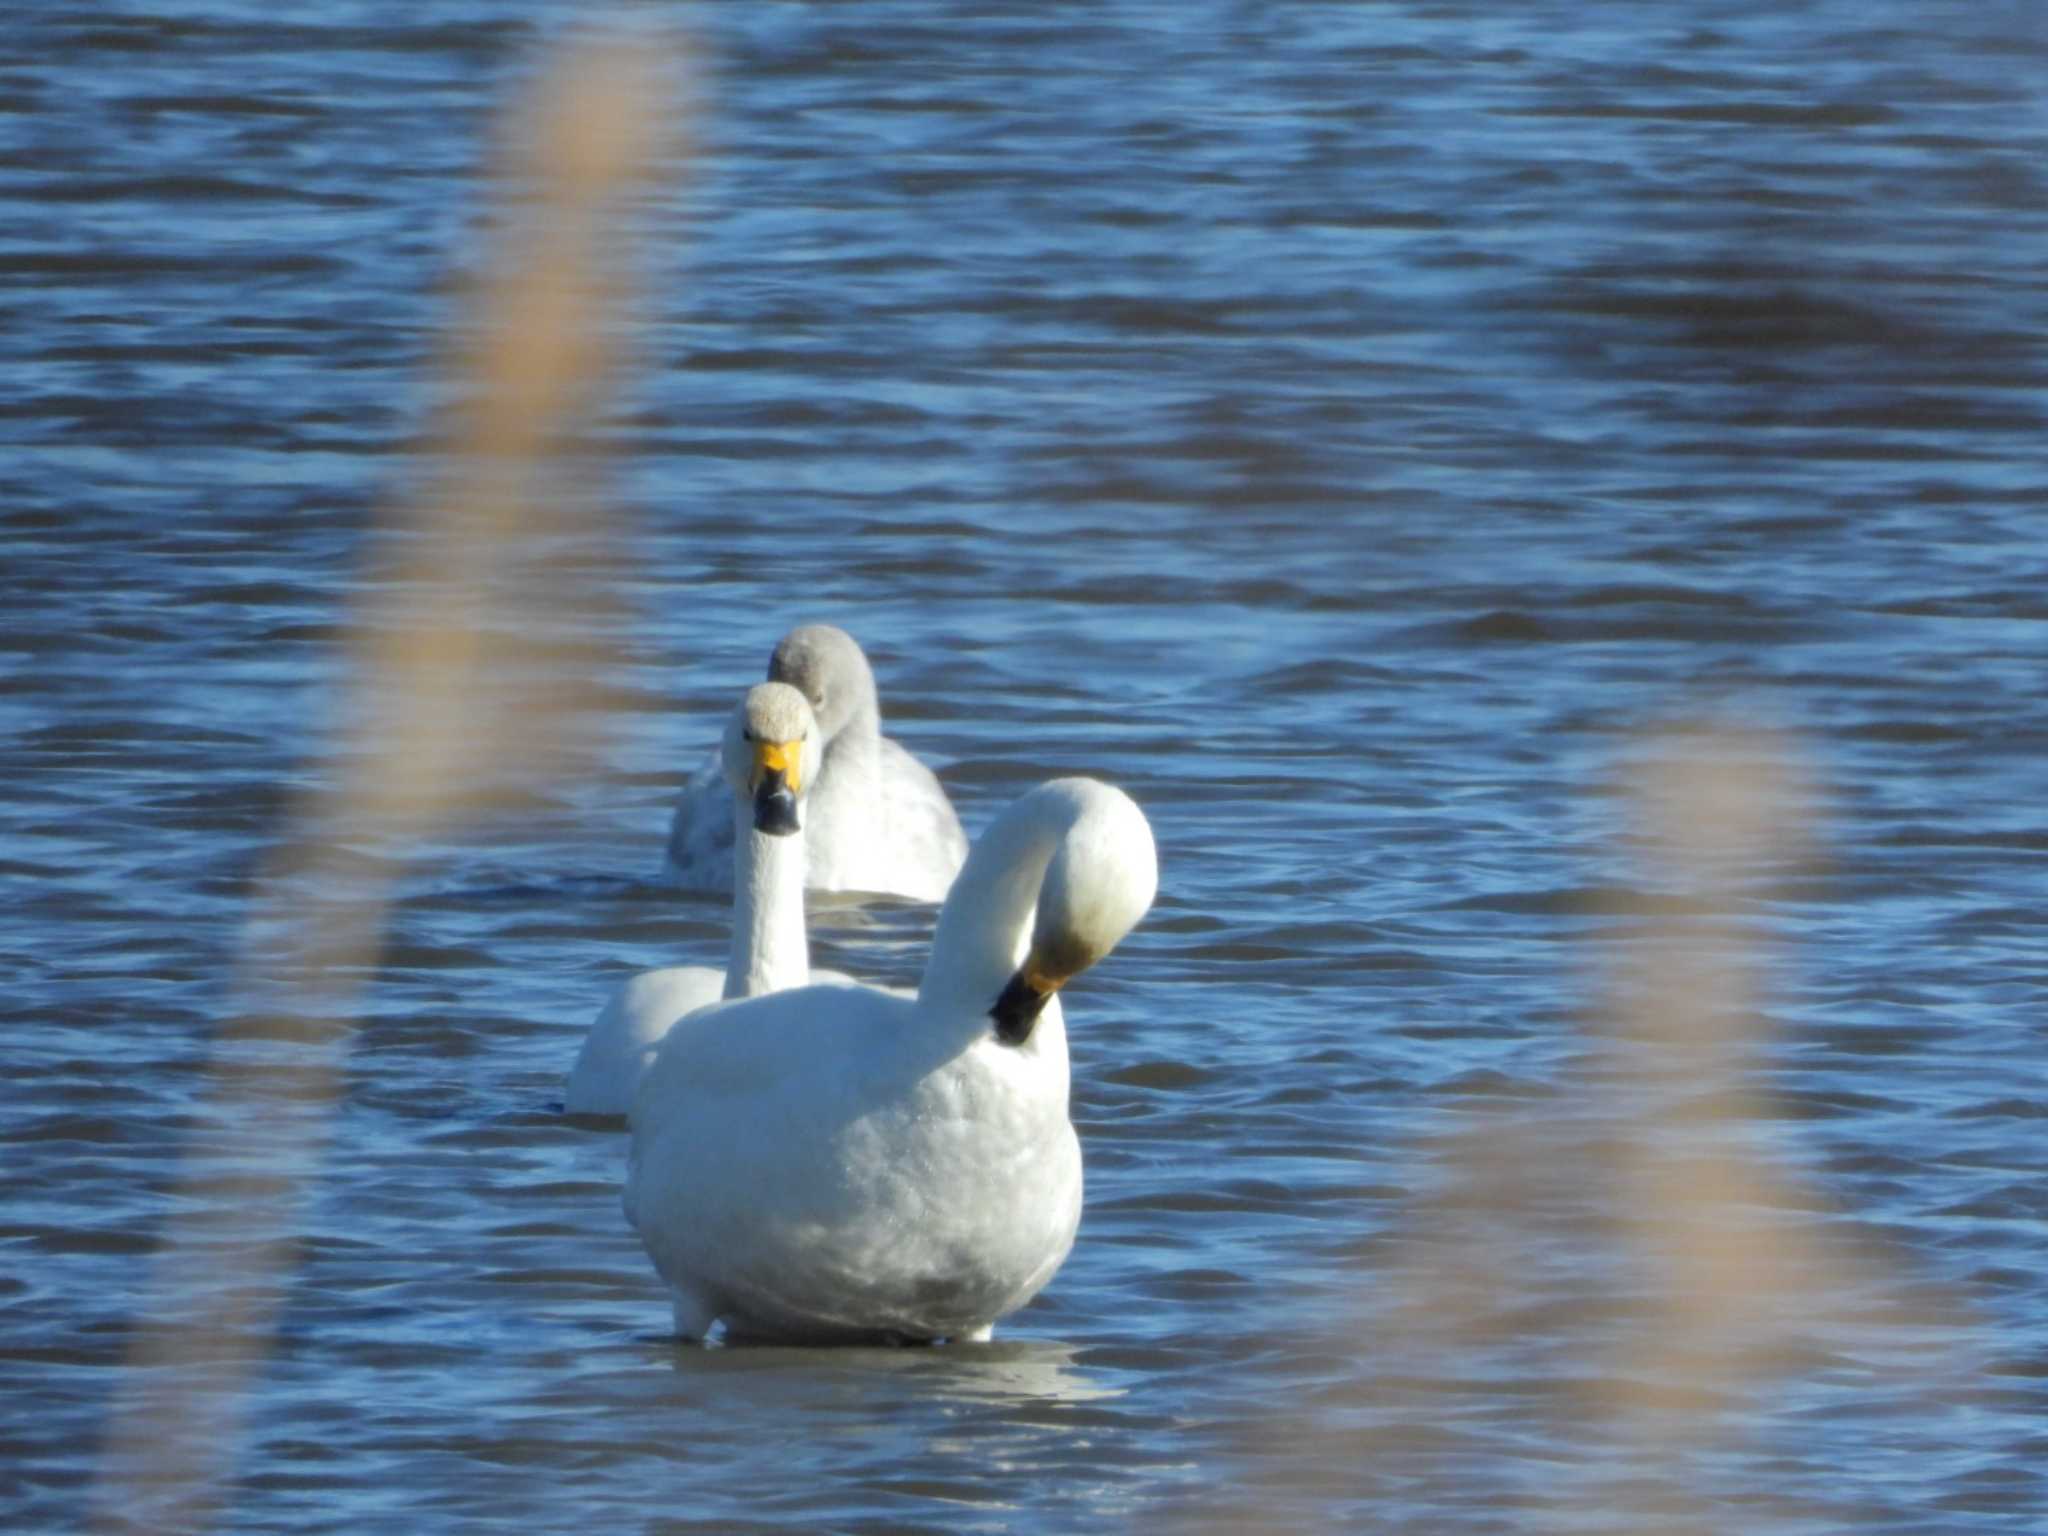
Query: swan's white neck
pixel 769 950
pixel 985 926
pixel 855 751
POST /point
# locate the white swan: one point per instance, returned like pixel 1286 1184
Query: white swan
pixel 880 821
pixel 851 1163
pixel 766 760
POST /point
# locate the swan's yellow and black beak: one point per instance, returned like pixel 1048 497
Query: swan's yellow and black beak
pixel 1022 1000
pixel 778 775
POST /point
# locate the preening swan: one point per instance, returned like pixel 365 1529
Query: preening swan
pixel 853 1163
pixel 766 762
pixel 879 821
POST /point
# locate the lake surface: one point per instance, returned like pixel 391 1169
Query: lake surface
pixel 1356 429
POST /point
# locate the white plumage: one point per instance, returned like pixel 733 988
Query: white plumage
pixel 848 1162
pixel 765 764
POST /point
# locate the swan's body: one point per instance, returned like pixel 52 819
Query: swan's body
pixel 879 821
pixel 770 743
pixel 849 1162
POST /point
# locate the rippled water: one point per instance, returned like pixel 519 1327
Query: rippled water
pixel 1350 427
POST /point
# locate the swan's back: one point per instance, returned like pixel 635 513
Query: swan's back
pixel 621 1044
pixel 779 1043
pixel 823 1162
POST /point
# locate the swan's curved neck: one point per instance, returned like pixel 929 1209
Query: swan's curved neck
pixel 985 926
pixel 769 950
pixel 855 751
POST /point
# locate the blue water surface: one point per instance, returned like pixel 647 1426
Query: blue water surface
pixel 1362 431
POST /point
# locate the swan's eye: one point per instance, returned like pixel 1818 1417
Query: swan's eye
pixel 746 733
pixel 817 701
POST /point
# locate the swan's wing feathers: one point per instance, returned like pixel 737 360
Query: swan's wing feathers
pixel 621 1043
pixel 927 841
pixel 734 1083
pixel 777 1043
pixel 701 834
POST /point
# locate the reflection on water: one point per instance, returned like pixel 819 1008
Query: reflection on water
pixel 1004 1372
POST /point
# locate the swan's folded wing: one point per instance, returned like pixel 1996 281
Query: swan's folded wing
pixel 620 1045
pixel 700 834
pixel 746 1065
pixel 926 841
pixel 754 1045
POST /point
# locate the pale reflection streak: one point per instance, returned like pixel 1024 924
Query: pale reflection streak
pixel 1004 1372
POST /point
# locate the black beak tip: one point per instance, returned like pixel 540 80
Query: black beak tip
pixel 1016 1011
pixel 775 813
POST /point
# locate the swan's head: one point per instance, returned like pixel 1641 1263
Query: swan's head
pixel 829 669
pixel 1100 881
pixel 771 754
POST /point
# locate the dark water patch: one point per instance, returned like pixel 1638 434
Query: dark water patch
pixel 1708 311
pixel 137 264
pixel 229 104
pixel 1499 626
pixel 2002 1109
pixel 1996 603
pixel 1830 116
pixel 1905 732
pixel 1587 901
pixel 185 189
pixel 479 36
pixel 1907 413
pixel 1169 1076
